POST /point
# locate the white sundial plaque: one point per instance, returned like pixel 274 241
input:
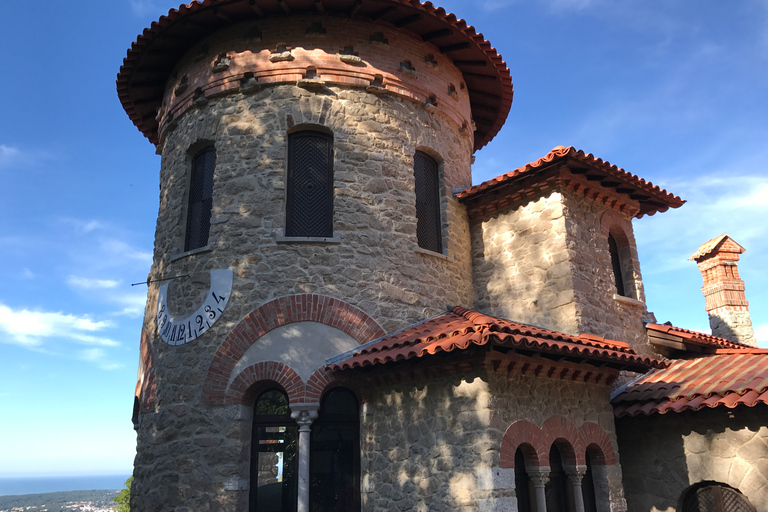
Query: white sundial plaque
pixel 178 331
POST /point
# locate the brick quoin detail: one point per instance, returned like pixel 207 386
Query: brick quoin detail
pixel 589 437
pixel 276 313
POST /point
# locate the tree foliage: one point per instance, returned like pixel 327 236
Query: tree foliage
pixel 123 499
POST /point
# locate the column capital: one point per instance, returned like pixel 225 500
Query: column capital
pixel 304 414
pixel 575 473
pixel 539 476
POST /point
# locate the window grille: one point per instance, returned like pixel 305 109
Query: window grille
pixel 428 228
pixel 309 201
pixel 200 199
pixel 714 497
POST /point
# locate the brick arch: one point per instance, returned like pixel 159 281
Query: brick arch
pixel 522 432
pixel 563 433
pixel 245 386
pixel 592 436
pixel 146 386
pixel 613 223
pixel 306 307
pixel 323 380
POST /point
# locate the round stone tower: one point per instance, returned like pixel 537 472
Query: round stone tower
pixel 310 150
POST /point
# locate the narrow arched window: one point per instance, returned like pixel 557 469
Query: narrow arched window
pixel 557 487
pixel 200 199
pixel 522 483
pixel 618 277
pixel 427 182
pixel 588 487
pixel 309 196
pixel 335 454
pixel 274 451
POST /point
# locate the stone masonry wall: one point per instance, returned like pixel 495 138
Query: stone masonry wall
pixel 733 324
pixel 521 265
pixel 731 449
pixel 196 457
pixel 434 445
pixel 598 310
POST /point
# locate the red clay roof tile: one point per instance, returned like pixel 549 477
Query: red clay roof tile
pixel 695 337
pixel 560 152
pixel 707 247
pixel 153 55
pixel 461 328
pixel 730 378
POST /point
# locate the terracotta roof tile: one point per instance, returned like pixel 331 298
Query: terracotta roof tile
pixel 706 248
pixel 153 55
pixel 461 328
pixel 660 195
pixel 695 337
pixel 729 378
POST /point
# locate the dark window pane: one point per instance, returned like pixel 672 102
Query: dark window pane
pixel 272 402
pixel 522 483
pixel 335 455
pixel 616 263
pixel 588 488
pixel 200 199
pixel 557 488
pixel 309 201
pixel 428 229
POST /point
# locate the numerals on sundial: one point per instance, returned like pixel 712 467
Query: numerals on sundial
pixel 177 331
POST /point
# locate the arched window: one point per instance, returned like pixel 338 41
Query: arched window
pixel 335 454
pixel 522 483
pixel 588 487
pixel 273 455
pixel 309 197
pixel 618 273
pixel 557 487
pixel 200 199
pixel 428 225
pixel 714 497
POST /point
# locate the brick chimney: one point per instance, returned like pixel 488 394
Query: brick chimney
pixel 723 289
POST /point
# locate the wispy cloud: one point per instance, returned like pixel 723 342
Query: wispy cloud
pixel 27 274
pixel 8 154
pixel 82 226
pixel 118 247
pixel 31 328
pixel 761 333
pixel 86 283
pixel 99 357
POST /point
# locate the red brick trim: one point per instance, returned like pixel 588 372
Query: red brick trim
pixel 276 313
pixel 323 380
pixel 593 438
pixel 615 224
pixel 244 391
pixel 522 433
pixel 572 442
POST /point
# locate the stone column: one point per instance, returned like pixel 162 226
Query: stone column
pixel 540 477
pixel 575 476
pixel 304 414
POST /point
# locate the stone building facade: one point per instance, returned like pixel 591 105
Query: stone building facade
pixel 316 216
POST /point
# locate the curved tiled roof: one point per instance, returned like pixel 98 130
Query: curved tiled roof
pixel 707 247
pixel 730 378
pixel 460 329
pixel 658 194
pixel 155 52
pixel 698 338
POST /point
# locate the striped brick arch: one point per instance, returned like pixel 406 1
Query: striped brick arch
pixel 273 314
pixel 564 434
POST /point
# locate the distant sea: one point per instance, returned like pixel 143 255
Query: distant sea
pixel 37 485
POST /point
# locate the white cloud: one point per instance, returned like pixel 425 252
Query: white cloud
pixel 120 248
pixel 761 334
pixel 85 283
pixel 8 154
pixel 27 274
pixel 134 304
pixel 30 328
pixel 99 357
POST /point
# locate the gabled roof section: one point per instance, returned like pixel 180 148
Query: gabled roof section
pixel 684 339
pixel 152 57
pixel 461 329
pixel 729 378
pixel 713 245
pixel 589 175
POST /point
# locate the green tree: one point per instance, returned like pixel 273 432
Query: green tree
pixel 123 499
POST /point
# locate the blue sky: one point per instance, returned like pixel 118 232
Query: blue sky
pixel 675 92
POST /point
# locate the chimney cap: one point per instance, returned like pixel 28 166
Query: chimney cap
pixel 706 249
